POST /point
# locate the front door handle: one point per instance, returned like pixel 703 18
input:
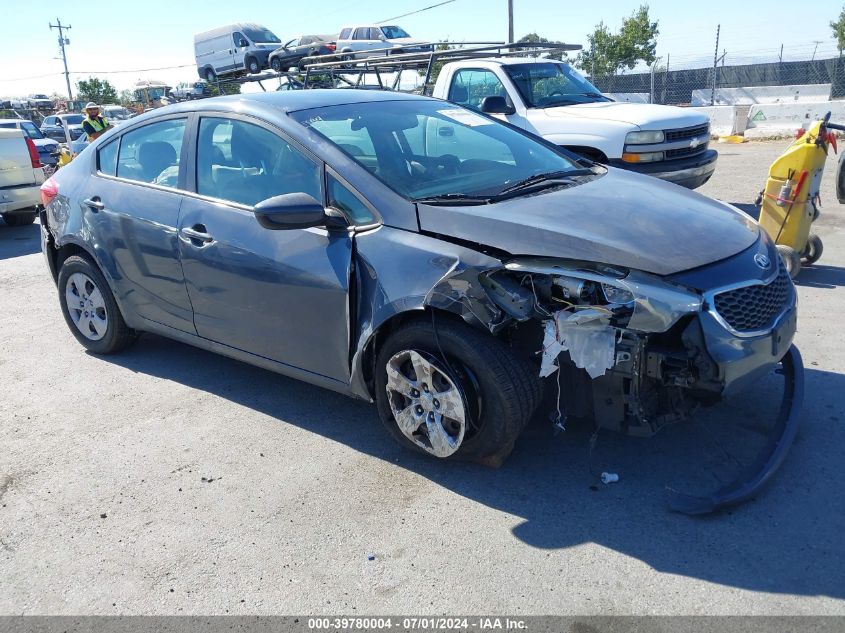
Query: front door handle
pixel 94 204
pixel 195 234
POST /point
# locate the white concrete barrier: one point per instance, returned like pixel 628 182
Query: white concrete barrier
pixel 797 93
pixel 724 120
pixel 783 119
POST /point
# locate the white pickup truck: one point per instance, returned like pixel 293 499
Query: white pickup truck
pixel 21 175
pixel 549 99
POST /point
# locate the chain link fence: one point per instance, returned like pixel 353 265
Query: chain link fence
pixel 716 84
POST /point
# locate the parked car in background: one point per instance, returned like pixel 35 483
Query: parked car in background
pixel 187 91
pixel 550 99
pixel 329 236
pixel 41 102
pixel 294 51
pixel 48 149
pixel 366 40
pixel 233 48
pixel 21 175
pixel 66 128
pixel 116 114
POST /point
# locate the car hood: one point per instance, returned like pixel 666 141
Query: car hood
pixel 405 40
pixel 620 218
pixel 45 143
pixel 648 116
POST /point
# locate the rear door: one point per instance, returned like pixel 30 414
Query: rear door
pixel 133 202
pixel 15 164
pixel 279 294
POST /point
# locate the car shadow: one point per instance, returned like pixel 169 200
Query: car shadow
pixel 821 276
pixel 17 241
pixel 789 540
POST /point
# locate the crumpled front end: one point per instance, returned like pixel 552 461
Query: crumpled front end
pixel 636 351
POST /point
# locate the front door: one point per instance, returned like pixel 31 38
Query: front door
pixel 239 50
pixel 279 294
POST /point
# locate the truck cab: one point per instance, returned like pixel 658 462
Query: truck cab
pixel 550 99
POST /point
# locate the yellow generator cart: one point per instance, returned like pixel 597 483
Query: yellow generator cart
pixel 790 202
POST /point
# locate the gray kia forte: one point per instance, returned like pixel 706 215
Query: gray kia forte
pixel 454 270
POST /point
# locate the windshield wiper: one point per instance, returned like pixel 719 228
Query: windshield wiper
pixel 553 177
pixel 452 198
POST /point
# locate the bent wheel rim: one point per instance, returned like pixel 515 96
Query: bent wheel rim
pixel 427 405
pixel 86 306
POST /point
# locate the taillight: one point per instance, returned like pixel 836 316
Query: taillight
pixel 331 47
pixel 49 190
pixel 34 158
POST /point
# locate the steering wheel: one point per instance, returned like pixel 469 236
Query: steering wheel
pixel 448 164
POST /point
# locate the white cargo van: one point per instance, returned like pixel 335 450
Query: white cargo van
pixel 234 48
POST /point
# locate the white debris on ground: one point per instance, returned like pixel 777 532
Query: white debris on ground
pixel 586 335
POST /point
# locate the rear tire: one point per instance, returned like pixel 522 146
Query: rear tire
pixel 20 219
pixel 791 259
pixel 813 251
pixel 89 307
pixel 210 75
pixel 487 392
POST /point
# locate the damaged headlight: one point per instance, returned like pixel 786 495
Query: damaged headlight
pixel 617 294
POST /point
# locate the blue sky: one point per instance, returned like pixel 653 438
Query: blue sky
pixel 143 34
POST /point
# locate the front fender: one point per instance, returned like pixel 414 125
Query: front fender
pixel 400 272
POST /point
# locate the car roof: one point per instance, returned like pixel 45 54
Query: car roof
pixel 293 100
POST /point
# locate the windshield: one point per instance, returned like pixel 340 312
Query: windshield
pixel 543 85
pixel 31 131
pixel 425 149
pixel 393 32
pixel 73 119
pixel 261 35
pixel 116 113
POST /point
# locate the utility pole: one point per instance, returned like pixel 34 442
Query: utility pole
pixel 715 63
pixel 816 42
pixel 510 21
pixel 780 57
pixel 62 42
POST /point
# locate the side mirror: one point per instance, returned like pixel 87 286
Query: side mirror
pixel 496 105
pixel 243 42
pixel 290 211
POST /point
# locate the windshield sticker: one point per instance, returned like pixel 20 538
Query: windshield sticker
pixel 465 117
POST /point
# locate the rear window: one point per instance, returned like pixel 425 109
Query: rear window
pixel 344 34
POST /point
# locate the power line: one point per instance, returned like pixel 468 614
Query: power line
pixel 405 15
pixel 136 70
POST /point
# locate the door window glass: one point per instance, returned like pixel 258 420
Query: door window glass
pixel 244 163
pixel 238 37
pixel 342 199
pixel 361 33
pixel 469 87
pixel 107 158
pixel 151 153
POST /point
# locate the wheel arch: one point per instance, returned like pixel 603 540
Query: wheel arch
pixel 593 153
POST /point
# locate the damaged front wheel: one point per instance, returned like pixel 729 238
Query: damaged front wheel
pixel 453 392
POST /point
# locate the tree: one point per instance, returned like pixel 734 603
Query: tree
pixel 608 53
pixel 99 91
pixel 215 89
pixel 533 38
pixel 125 98
pixel 838 29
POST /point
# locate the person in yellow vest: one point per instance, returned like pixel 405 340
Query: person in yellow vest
pixel 93 124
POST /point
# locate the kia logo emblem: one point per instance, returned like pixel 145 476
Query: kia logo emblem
pixel 762 261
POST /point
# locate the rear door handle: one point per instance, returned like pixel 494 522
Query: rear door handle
pixel 196 233
pixel 94 204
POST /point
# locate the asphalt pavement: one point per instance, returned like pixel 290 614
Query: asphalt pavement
pixel 169 480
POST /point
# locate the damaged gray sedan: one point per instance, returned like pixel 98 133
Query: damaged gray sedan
pixel 411 252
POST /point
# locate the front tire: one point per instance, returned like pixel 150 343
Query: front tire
pixel 472 405
pixel 20 219
pixel 252 66
pixel 89 307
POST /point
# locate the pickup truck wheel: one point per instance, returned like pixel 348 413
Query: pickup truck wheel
pixel 19 219
pixel 89 307
pixel 472 404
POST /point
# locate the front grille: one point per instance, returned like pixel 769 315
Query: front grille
pixel 687 132
pixel 756 307
pixel 685 152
